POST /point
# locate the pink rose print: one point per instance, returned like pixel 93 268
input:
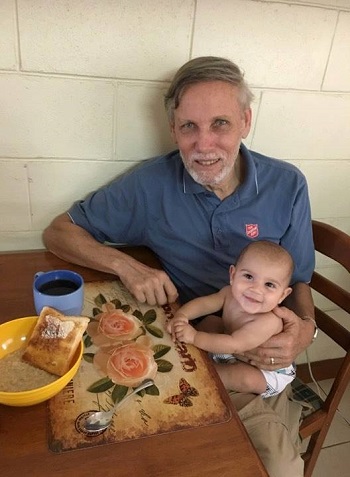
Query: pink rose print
pixel 125 352
pixel 128 364
pixel 114 326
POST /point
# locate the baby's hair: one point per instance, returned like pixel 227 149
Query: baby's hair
pixel 272 251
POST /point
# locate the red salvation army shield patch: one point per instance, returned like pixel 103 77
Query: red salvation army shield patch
pixel 252 230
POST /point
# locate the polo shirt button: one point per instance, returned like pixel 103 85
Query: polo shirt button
pixel 218 231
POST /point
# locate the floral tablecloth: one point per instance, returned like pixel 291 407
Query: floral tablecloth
pixel 185 393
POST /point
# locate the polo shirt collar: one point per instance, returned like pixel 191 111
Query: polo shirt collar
pixel 190 186
pixel 247 189
pixel 250 186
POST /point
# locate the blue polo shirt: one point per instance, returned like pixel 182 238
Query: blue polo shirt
pixel 195 234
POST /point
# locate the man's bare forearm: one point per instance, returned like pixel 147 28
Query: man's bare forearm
pixel 73 244
pixel 301 302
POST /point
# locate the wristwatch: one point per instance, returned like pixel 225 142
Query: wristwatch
pixel 315 325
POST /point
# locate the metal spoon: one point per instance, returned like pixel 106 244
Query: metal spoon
pixel 98 421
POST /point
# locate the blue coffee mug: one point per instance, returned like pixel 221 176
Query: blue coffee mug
pixel 59 289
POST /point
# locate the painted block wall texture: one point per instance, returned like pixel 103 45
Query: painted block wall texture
pixel 82 84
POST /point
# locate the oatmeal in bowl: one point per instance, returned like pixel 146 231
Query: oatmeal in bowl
pixel 21 382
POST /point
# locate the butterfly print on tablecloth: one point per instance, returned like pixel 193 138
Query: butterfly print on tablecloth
pixel 184 398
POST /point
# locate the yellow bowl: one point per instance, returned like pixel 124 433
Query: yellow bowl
pixel 13 335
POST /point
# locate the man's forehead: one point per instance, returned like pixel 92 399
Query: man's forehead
pixel 209 90
pixel 210 100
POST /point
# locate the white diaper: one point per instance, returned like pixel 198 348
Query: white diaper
pixel 277 380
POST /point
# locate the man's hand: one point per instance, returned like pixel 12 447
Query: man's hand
pixel 284 347
pixel 147 284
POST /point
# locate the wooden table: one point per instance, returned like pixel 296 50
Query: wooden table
pixel 218 450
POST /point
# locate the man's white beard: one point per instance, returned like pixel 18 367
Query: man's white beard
pixel 206 178
pixel 203 180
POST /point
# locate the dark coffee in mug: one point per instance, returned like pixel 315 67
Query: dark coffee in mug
pixel 62 290
pixel 58 287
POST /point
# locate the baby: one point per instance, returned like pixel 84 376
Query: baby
pixel 258 283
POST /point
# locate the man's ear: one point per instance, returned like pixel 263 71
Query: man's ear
pixel 232 272
pixel 286 292
pixel 172 131
pixel 247 118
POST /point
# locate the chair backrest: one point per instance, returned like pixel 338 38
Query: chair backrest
pixel 334 244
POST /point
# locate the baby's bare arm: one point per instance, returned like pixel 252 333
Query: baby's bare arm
pixel 196 308
pixel 255 331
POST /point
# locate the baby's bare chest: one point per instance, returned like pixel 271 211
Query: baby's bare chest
pixel 232 316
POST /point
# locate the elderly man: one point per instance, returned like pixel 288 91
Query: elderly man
pixel 196 208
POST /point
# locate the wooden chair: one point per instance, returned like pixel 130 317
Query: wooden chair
pixel 335 244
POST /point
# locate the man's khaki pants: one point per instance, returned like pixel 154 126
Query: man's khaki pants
pixel 273 425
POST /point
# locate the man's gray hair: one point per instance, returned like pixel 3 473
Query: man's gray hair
pixel 206 68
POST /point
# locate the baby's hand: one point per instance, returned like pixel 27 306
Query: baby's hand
pixel 178 319
pixel 184 332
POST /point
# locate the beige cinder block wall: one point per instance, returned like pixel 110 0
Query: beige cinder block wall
pixel 81 85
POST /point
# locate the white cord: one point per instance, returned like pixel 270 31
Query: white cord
pixel 310 371
pixel 318 388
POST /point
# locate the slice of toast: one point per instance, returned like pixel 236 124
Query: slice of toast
pixel 54 341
